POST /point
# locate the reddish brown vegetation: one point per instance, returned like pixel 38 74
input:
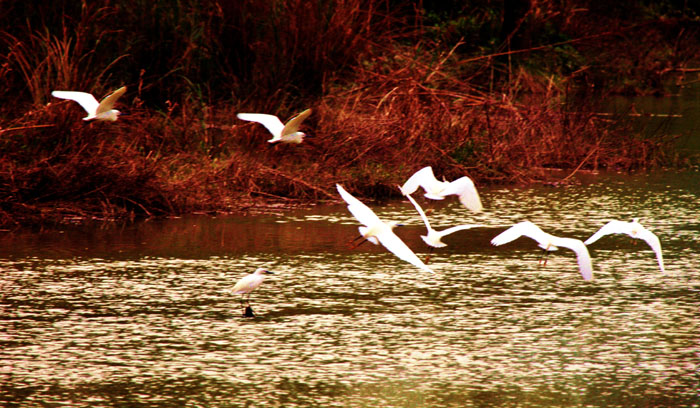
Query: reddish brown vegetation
pixel 387 100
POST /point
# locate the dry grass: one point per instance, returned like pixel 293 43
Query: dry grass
pixel 383 108
pixel 412 113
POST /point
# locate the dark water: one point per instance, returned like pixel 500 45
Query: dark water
pixel 140 315
pixel 675 117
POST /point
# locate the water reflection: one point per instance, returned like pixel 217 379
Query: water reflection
pixel 677 115
pixel 140 315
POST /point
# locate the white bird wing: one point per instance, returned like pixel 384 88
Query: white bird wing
pixel 107 103
pixel 654 243
pixel 526 228
pixel 452 230
pixel 422 178
pixel 363 213
pixel 582 256
pixel 387 237
pixel 420 211
pixel 246 284
pixel 294 123
pixel 273 124
pixel 465 189
pixel 87 101
pixel 613 227
pixel 395 245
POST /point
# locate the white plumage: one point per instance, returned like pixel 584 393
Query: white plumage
pixel 95 110
pixel 285 133
pixel 635 230
pixel 437 190
pixel 250 282
pixel 377 231
pixel 548 242
pixel 434 237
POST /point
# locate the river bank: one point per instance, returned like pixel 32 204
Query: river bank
pixel 503 104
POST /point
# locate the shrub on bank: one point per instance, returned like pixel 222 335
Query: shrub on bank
pixel 393 88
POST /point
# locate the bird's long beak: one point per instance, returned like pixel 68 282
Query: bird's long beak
pixel 269 273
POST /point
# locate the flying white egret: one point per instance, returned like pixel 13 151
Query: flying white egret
pixel 249 283
pixel 437 190
pixel 548 242
pixel 635 230
pixel 434 238
pixel 376 230
pixel 95 110
pixel 285 133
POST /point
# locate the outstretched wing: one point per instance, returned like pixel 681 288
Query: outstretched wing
pixel 420 211
pixel 294 123
pixel 107 103
pixel 526 228
pixel 273 124
pixel 363 213
pixel 654 243
pixel 452 230
pixel 613 227
pixel 396 246
pixel 585 265
pixel 422 178
pixel 465 189
pixel 87 101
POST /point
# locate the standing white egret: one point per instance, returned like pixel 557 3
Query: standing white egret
pixel 249 283
pixel 548 242
pixel 95 110
pixel 285 133
pixel 635 230
pixel 437 190
pixel 434 238
pixel 376 230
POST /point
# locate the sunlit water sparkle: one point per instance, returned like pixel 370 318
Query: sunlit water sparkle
pixel 143 315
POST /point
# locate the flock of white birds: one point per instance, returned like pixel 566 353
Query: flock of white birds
pixel 378 231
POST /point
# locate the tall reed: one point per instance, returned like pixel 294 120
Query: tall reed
pixel 393 87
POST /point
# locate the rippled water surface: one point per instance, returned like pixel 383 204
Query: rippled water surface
pixel 139 315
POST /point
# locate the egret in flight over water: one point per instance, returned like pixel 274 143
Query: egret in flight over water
pixel 95 110
pixel 437 190
pixel 376 230
pixel 434 237
pixel 635 230
pixel 249 283
pixel 548 242
pixel 285 133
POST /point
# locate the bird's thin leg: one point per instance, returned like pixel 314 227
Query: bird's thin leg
pixel 430 207
pixel 430 252
pixel 242 301
pixel 361 242
pixel 543 257
pixel 248 311
pixel 353 245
